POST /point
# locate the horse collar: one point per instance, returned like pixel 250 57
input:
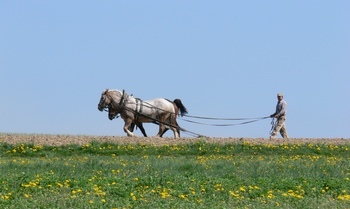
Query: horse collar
pixel 121 102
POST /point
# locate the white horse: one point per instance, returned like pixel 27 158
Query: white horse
pixel 134 110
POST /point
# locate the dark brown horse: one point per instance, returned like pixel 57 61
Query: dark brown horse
pixel 112 113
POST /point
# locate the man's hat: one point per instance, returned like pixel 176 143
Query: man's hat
pixel 280 95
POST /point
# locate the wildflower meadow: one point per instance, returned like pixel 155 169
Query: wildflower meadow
pixel 193 175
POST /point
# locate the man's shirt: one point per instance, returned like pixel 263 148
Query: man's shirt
pixel 281 108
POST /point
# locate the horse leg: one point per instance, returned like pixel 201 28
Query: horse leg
pixel 176 132
pixel 175 127
pixel 161 127
pixel 126 127
pixel 141 128
pixel 132 127
pixel 165 130
pixel 161 130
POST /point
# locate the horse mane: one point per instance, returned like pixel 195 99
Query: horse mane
pixel 105 91
pixel 112 91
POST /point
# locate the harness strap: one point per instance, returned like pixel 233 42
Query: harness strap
pixel 122 100
pixel 139 103
pixel 138 109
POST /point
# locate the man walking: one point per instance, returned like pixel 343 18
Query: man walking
pixel 280 114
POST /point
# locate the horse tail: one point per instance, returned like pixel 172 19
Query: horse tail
pixel 182 108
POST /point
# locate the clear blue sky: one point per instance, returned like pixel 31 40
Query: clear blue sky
pixel 221 58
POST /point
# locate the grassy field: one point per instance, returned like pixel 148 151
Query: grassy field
pixel 192 175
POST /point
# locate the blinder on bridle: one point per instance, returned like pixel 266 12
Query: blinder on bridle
pixel 102 104
pixel 106 107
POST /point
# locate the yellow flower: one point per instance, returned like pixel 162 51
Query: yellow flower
pixel 182 196
pixel 59 184
pixel 270 194
pixel 344 197
pixel 233 194
pixel 133 196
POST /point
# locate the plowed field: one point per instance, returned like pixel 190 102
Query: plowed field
pixel 57 140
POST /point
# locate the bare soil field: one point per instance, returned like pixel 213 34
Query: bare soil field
pixel 58 140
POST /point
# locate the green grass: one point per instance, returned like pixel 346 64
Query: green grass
pixel 197 175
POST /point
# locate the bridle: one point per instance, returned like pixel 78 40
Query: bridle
pixel 112 102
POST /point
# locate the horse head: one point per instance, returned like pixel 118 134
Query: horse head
pixel 112 113
pixel 113 100
pixel 105 100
